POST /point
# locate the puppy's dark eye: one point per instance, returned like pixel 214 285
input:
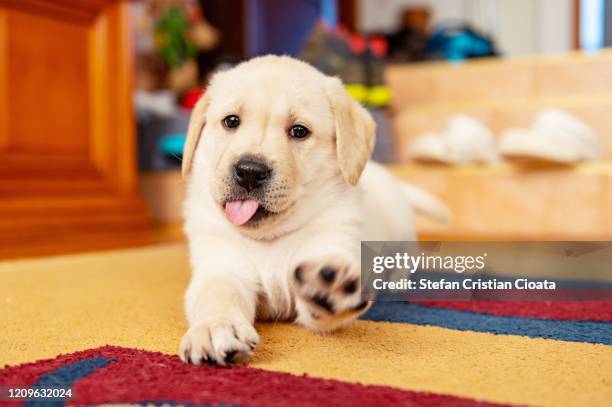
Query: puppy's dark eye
pixel 298 131
pixel 231 122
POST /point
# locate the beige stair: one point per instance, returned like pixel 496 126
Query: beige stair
pixel 504 201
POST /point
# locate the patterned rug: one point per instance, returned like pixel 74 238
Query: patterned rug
pixel 115 318
pixel 118 375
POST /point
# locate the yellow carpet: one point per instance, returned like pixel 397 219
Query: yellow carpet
pixel 133 298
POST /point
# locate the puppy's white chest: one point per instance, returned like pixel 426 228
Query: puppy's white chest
pixel 272 264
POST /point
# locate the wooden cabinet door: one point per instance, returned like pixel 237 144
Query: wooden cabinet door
pixel 67 153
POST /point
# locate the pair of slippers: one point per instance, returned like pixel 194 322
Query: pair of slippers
pixel 555 137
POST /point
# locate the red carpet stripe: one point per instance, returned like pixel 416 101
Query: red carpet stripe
pixel 137 376
pixel 560 310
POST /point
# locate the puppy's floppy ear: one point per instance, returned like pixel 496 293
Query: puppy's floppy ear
pixel 194 131
pixel 355 131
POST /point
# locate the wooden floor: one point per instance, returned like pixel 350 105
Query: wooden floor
pixel 93 242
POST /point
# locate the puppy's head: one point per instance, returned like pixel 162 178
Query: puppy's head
pixel 270 131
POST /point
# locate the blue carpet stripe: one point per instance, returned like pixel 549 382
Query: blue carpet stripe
pixel 573 331
pixel 66 376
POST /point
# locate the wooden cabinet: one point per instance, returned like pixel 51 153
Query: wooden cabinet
pixel 67 153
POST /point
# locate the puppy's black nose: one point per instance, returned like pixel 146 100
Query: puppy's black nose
pixel 251 173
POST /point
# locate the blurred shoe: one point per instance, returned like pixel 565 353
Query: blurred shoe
pixel 378 94
pixel 556 136
pixel 327 49
pixel 465 141
pixel 354 72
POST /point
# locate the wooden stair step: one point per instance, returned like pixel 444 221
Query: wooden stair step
pixel 506 202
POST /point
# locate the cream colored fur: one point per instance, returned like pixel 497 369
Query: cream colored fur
pixel 321 206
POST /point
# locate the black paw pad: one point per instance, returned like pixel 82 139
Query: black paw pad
pixel 361 306
pixel 350 287
pixel 328 274
pixel 299 274
pixel 230 355
pixel 323 302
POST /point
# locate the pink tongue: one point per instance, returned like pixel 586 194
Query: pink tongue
pixel 239 212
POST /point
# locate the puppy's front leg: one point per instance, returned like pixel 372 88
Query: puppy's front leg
pixel 327 284
pixel 220 305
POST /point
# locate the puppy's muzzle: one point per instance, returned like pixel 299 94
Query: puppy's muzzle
pixel 251 173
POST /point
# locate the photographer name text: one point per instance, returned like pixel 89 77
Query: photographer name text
pixel 465 284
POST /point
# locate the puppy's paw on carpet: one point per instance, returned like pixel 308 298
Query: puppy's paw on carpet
pixel 220 343
pixel 328 293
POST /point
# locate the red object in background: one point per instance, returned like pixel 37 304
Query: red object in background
pixel 191 97
pixel 357 43
pixel 379 46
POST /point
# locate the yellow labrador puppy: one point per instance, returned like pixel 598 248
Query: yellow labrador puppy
pixel 280 194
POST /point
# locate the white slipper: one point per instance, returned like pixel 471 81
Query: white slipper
pixel 555 136
pixel 465 141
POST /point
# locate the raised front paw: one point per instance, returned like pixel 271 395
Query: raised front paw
pixel 328 293
pixel 220 343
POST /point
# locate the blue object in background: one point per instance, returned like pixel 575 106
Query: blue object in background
pixel 329 12
pixel 592 17
pixel 152 128
pixel 172 145
pixel 280 26
pixel 458 43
